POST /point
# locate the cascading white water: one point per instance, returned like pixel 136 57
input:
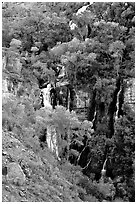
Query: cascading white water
pixel 94 116
pixel 117 104
pixel 46 96
pixel 52 140
pixel 103 171
pixel 51 130
pixel 72 25
pixel 83 8
pixel 62 72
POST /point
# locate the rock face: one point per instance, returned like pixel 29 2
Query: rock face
pixel 15 174
pixel 130 93
pixel 4 86
pixel 11 67
pixel 11 57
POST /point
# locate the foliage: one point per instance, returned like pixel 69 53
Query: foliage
pixel 18 116
pixel 101 191
pixel 93 65
pixel 122 152
pixel 36 21
pixel 69 130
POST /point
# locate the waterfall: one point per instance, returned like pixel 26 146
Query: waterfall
pixel 51 130
pixel 62 72
pixel 83 8
pixel 68 100
pixel 103 171
pixel 117 104
pixel 52 140
pixel 94 116
pixel 72 25
pixel 46 96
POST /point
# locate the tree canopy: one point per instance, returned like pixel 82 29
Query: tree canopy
pixel 97 55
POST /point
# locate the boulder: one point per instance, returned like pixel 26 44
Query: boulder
pixel 34 49
pixel 38 44
pixel 15 174
pixel 59 49
pixel 15 43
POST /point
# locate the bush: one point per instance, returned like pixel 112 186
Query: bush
pixel 122 155
pixel 18 116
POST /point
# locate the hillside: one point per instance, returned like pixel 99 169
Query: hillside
pixel 68 101
pixel 33 177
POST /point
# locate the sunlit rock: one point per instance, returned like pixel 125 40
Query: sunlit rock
pixel 15 174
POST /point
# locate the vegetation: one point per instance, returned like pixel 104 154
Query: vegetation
pixel 99 59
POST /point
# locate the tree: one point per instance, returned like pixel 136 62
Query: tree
pixel 33 21
pixel 98 62
pixel 100 66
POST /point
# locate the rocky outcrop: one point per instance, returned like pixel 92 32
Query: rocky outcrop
pixel 11 67
pixel 15 174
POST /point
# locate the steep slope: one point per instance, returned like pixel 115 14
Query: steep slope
pixel 32 177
